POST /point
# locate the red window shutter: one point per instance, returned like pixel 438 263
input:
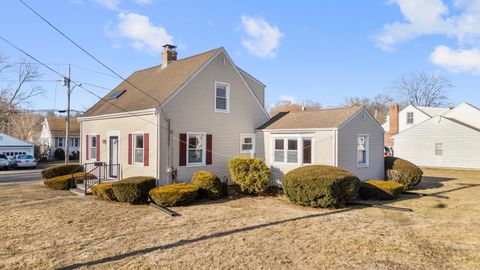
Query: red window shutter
pixel 209 149
pixel 129 148
pixel 98 147
pixel 86 149
pixel 182 155
pixel 146 146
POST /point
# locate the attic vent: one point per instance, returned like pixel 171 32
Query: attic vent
pixel 222 61
pixel 116 94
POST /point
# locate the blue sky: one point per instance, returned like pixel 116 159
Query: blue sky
pixel 311 50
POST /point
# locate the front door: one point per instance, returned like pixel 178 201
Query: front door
pixel 113 157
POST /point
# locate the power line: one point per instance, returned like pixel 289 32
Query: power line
pixel 95 85
pixel 85 51
pixel 95 71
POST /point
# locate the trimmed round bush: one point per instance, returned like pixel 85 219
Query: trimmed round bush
pixel 403 172
pixel 209 184
pixel 252 174
pixel 133 190
pixel 61 170
pixel 64 182
pixel 175 194
pixel 59 154
pixel 320 186
pixel 380 190
pixel 104 191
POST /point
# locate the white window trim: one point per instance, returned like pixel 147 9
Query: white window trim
pixel 139 164
pixel 204 150
pixel 90 135
pixel 247 135
pixel 441 149
pixel 227 94
pixel 299 138
pixel 367 151
pixel 222 60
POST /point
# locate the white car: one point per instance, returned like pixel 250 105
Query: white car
pixel 26 161
pixel 3 162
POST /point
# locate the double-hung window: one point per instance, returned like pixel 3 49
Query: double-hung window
pixel 247 143
pixel 292 150
pixel 362 150
pixel 222 97
pixel 75 142
pixel 58 142
pixel 409 118
pixel 138 149
pixel 439 149
pixel 196 149
pixel 93 147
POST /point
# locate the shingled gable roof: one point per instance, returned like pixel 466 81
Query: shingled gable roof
pixel 156 81
pixel 326 118
pixel 57 126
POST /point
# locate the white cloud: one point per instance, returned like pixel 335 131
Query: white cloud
pixel 263 39
pixel 110 4
pixel 141 32
pixel 460 60
pixel 143 2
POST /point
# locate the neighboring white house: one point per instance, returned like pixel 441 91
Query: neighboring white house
pixel 197 113
pixel 450 139
pixel 414 115
pixel 11 146
pixel 53 134
pixel 349 138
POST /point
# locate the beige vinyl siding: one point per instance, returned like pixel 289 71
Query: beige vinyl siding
pixel 347 146
pixel 258 89
pixel 122 127
pixel 323 149
pixel 192 110
pixel 461 145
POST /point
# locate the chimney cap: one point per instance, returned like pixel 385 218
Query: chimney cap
pixel 169 46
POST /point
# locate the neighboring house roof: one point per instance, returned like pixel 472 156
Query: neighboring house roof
pixel 326 118
pixel 433 111
pixel 158 84
pixel 7 140
pixel 463 123
pixel 57 126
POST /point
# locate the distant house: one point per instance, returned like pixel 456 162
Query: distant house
pixel 349 138
pixel 53 134
pixel 438 137
pixel 11 146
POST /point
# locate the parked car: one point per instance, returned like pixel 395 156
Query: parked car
pixel 388 151
pixel 3 162
pixel 12 163
pixel 26 161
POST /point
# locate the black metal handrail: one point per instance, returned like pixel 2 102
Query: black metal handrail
pixel 101 171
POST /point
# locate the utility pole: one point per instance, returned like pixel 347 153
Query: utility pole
pixel 67 129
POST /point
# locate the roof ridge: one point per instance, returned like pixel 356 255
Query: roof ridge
pixel 461 123
pixel 329 109
pixel 179 60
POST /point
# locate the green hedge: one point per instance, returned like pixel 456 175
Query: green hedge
pixel 175 194
pixel 403 172
pixel 320 186
pixel 104 191
pixel 64 182
pixel 380 190
pixel 252 174
pixel 209 184
pixel 61 170
pixel 133 190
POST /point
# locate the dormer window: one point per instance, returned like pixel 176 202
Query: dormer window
pixel 222 97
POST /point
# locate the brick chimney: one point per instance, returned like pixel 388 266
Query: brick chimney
pixel 169 54
pixel 393 124
pixel 393 119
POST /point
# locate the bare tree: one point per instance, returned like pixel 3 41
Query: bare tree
pixel 423 89
pixel 289 106
pixel 378 106
pixel 27 126
pixel 14 96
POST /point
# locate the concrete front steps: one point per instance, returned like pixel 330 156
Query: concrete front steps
pixel 80 190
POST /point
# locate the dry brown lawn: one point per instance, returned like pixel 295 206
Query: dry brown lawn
pixel 44 229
